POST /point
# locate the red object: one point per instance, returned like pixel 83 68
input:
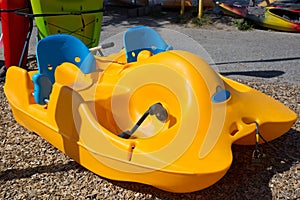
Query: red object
pixel 14 29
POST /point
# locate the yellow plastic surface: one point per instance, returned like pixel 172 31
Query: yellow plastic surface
pixel 189 152
pixel 279 23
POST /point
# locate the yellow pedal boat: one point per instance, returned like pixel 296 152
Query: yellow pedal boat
pixel 185 116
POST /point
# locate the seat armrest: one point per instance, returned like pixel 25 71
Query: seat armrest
pixel 42 88
pixel 69 74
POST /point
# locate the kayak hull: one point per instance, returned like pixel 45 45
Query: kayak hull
pixel 14 29
pixel 282 19
pixel 85 26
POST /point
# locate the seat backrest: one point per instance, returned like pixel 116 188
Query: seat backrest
pixel 53 51
pixel 140 38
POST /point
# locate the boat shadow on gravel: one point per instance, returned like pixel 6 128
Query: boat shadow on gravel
pixel 258 61
pixel 256 73
pixel 11 174
pixel 244 179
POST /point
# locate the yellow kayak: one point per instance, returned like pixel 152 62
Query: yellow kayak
pixel 146 114
pixel 273 17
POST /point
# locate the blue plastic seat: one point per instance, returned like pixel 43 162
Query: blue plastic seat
pixel 53 51
pixel 140 38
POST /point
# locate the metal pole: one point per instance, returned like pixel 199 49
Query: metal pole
pixel 182 7
pixel 200 9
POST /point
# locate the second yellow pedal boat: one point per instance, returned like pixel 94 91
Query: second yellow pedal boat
pixel 146 114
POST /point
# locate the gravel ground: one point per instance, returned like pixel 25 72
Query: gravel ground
pixel 31 168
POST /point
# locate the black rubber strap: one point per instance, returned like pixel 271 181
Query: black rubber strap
pixel 21 12
pixel 13 10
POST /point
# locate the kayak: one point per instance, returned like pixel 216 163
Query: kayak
pixel 81 18
pixel 277 18
pixel 288 4
pixel 14 30
pixel 147 114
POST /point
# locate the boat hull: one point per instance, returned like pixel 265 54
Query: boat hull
pixel 188 152
pixel 101 165
pixel 69 143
